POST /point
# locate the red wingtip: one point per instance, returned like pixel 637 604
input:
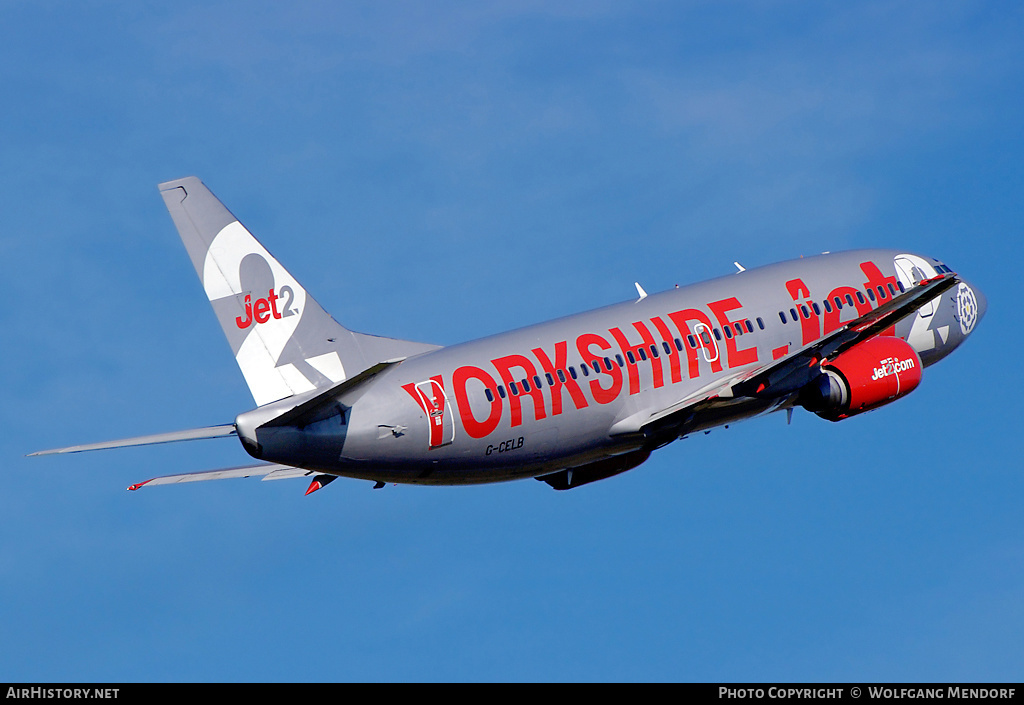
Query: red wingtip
pixel 314 486
pixel 132 488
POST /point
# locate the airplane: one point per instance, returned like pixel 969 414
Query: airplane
pixel 570 401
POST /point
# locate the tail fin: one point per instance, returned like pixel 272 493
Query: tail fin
pixel 283 341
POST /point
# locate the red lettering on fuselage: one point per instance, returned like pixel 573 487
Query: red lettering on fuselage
pixel 847 296
pixel 639 352
pixel 810 326
pixel 600 364
pixel 556 373
pixel 518 374
pixel 681 319
pixel 879 285
pixel 673 354
pixel 505 365
pixel 474 428
pixel 736 356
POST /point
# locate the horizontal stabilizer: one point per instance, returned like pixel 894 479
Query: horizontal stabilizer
pixel 269 471
pixel 191 434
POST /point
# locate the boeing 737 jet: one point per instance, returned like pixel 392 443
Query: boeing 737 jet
pixel 569 401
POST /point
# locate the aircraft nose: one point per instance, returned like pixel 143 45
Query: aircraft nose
pixel 982 303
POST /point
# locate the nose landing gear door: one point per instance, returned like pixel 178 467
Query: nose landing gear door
pixel 434 402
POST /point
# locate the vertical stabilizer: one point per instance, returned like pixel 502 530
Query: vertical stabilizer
pixel 283 341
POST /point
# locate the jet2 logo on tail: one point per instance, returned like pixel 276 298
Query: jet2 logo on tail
pixel 263 309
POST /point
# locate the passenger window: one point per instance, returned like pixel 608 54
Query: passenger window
pixel 654 350
pixel 728 332
pixel 668 348
pixel 488 394
pixel 561 377
pixel 679 343
pixel 501 391
pixel 892 289
pixel 782 316
pixel 817 311
pixel 551 380
pixel 513 388
pixel 526 385
pixel 643 355
pixel 849 299
pixel 792 312
pixel 804 311
pixel 608 364
pixel 828 306
pixel 760 323
pixel 871 294
pixel 632 360
pixel 718 336
pixel 618 359
pixel 860 297
pixel 691 342
pixel 839 303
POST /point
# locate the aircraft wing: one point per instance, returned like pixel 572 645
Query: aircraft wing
pixel 793 371
pixel 784 376
pixel 269 471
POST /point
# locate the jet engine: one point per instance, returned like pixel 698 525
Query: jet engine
pixel 868 375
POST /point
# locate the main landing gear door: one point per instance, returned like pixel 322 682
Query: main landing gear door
pixel 435 404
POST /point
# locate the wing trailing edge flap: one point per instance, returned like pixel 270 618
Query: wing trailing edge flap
pixel 718 389
pixel 784 376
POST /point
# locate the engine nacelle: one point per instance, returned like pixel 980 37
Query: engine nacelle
pixel 873 373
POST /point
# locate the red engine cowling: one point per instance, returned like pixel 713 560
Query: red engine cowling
pixel 873 373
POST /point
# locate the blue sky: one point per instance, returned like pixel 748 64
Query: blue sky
pixel 440 171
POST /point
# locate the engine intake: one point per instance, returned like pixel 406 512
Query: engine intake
pixel 869 375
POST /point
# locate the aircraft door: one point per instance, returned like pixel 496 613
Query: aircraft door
pixel 706 342
pixel 435 404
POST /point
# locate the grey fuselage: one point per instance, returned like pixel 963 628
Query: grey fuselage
pixel 552 396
